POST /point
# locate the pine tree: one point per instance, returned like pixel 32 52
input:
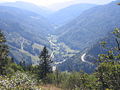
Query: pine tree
pixel 4 60
pixel 44 64
pixel 3 47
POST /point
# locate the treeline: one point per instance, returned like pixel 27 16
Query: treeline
pixel 21 77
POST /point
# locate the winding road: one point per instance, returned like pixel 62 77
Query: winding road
pixel 83 57
pixel 22 43
pixel 53 45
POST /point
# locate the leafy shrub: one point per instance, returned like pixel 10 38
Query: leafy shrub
pixel 18 81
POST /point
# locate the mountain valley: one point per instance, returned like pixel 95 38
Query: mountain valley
pixel 69 36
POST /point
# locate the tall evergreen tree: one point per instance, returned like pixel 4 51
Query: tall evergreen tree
pixel 44 64
pixel 3 46
pixel 4 60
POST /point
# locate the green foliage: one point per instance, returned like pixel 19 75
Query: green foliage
pixel 108 74
pixel 108 70
pixel 3 47
pixel 79 81
pixel 18 81
pixel 44 66
pixel 103 43
pixel 4 59
pixel 7 66
pixel 73 80
pixel 116 32
pixel 57 78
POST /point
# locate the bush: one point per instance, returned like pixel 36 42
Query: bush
pixel 18 81
pixel 79 81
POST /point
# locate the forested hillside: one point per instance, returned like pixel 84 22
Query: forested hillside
pixel 90 55
pixel 26 33
pixel 86 34
pixel 90 26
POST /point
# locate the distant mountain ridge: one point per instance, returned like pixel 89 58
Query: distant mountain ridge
pixel 28 6
pixel 67 14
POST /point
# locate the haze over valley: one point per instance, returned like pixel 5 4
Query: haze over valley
pixel 69 33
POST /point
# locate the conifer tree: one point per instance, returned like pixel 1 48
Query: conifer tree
pixel 44 64
pixel 4 60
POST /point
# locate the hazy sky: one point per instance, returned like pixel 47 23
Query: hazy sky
pixel 58 3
